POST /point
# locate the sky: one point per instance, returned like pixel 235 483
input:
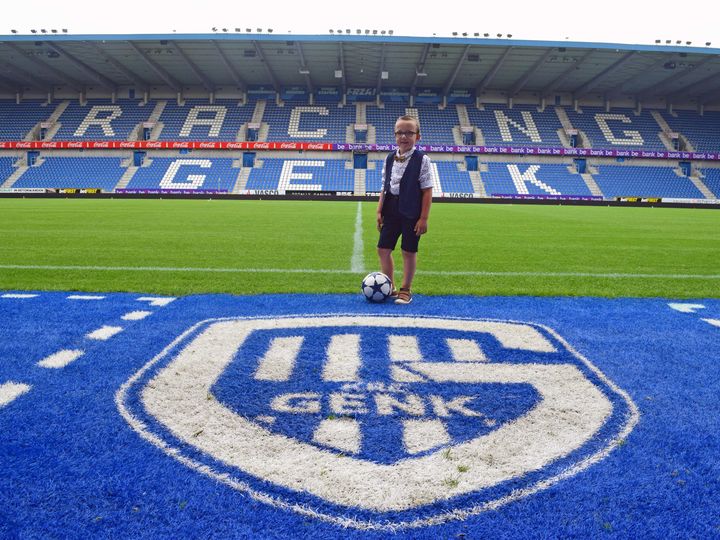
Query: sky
pixel 610 21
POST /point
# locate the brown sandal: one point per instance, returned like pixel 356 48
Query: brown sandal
pixel 404 296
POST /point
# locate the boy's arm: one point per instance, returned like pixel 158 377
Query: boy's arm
pixel 421 226
pixel 381 200
pixel 379 210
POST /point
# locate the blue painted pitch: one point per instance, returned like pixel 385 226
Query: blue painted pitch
pixel 307 416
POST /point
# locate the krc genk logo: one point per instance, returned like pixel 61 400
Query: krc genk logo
pixel 377 421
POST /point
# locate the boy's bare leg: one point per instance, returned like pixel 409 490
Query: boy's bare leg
pixel 409 266
pixel 386 263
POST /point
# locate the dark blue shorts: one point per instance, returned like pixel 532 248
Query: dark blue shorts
pixel 395 225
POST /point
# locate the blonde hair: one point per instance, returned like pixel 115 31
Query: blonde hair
pixel 408 118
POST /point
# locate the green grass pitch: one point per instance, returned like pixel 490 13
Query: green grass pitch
pixel 255 247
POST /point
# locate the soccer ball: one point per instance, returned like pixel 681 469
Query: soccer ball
pixel 376 287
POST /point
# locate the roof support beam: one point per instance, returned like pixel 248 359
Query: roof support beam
pixel 490 75
pixel 261 55
pixel 619 89
pixel 565 74
pixel 659 89
pixel 72 83
pixel 686 90
pixel 101 79
pixel 343 79
pixel 11 85
pixel 589 85
pixel 137 80
pixel 520 84
pixel 455 72
pixel 304 67
pixel 382 68
pixel 28 77
pixel 159 71
pixel 713 96
pixel 231 69
pixel 420 68
pixel 193 67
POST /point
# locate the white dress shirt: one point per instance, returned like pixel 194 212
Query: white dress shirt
pixel 399 167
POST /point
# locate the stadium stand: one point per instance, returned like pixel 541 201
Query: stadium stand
pixel 619 128
pixel 436 126
pixel 712 180
pixel 198 120
pixel 16 121
pixel 522 125
pixel 302 174
pixel 298 121
pixel 73 172
pixel 636 181
pixel 186 173
pixel 452 179
pixel 449 178
pixel 373 177
pixel 533 179
pixel 703 132
pixel 6 168
pixel 223 120
pixel 102 120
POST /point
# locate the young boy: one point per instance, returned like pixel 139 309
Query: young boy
pixel 404 204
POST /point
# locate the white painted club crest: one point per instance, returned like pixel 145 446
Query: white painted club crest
pixel 372 416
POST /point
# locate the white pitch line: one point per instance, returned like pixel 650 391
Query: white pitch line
pixel 469 273
pixel 714 322
pixel 60 359
pixel 18 295
pixel 84 297
pixel 160 301
pixel 136 315
pixel 685 308
pixel 10 391
pixel 104 333
pixel 356 262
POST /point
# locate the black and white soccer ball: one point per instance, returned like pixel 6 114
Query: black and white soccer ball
pixel 376 287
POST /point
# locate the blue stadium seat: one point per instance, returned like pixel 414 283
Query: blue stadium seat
pixel 66 172
pixel 449 177
pixel 619 128
pixel 523 125
pixel 435 125
pixel 635 181
pixel 198 120
pixel 712 180
pixel 452 179
pixel 99 120
pixel 186 173
pixel 6 168
pixel 299 121
pixel 302 174
pixel 703 132
pixel 373 177
pixel 16 121
pixel 534 179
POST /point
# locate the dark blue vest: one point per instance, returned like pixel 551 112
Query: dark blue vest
pixel 410 203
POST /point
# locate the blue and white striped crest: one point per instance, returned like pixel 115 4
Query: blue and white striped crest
pixel 365 420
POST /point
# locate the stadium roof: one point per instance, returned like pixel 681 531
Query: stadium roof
pixel 673 72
